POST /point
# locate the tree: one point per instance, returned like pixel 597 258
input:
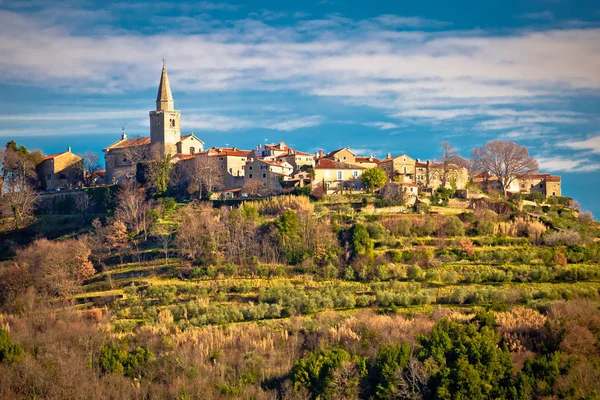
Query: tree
pixel 373 178
pixel 315 372
pixel 159 173
pixel 57 268
pixel 19 205
pixel 91 164
pixel 206 175
pixel 466 362
pixel 504 159
pixel 132 207
pixel 450 160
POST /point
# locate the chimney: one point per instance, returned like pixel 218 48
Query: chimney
pixel 69 149
pixel 320 153
pixel 389 155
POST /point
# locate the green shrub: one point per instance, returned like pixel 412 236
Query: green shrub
pixel 113 359
pixel 10 352
pixel 386 370
pixel 315 371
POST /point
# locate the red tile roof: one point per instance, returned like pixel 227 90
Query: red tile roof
pixel 367 159
pixel 51 156
pixel 228 151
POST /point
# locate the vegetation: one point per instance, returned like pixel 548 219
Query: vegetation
pixel 143 296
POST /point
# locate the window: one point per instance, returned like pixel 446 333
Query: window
pixel 230 170
pixel 250 167
pixel 404 169
pixel 344 158
pixel 405 160
pixel 340 175
pixel 192 150
pixel 355 174
pixel 221 158
pixel 264 176
pixel 553 194
pixel 250 176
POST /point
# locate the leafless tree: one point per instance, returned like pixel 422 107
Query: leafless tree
pixel 19 205
pixel 137 154
pixel 132 207
pixel 205 175
pixel 83 203
pixel 504 159
pixel 449 162
pixel 91 164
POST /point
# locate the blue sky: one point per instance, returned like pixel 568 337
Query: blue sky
pixel 378 76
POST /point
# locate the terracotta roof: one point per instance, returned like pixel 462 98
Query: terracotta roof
pixel 51 156
pixel 185 156
pixel 292 152
pixel 279 146
pixel 408 184
pixel 368 159
pixel 420 164
pixel 228 151
pixel 325 163
pixel 130 143
pixel 548 177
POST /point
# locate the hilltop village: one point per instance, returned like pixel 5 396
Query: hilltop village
pixel 272 169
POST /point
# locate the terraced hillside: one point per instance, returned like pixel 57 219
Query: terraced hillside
pixel 291 298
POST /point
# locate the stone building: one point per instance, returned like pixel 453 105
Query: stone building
pixel 122 157
pixel 546 184
pixel 399 169
pixel 266 172
pixel 60 171
pixel 337 176
pixel 430 175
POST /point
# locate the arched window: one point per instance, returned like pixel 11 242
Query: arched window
pixel 192 150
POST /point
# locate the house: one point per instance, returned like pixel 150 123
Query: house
pixel 232 162
pixel 60 171
pixel 267 171
pixel 121 158
pixel 336 176
pixel 399 169
pixel 430 175
pixel 342 155
pixel 546 184
pixel 297 159
pixel 367 162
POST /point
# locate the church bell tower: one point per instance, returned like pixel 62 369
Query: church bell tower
pixel 165 130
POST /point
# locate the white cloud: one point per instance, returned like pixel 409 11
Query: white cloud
pixel 592 143
pixel 296 123
pixel 559 164
pixel 382 125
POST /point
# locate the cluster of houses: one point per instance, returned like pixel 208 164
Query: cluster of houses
pixel 274 166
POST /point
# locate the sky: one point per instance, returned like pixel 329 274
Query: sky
pixel 376 76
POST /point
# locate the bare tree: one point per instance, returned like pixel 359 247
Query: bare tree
pixel 137 154
pixel 83 203
pixel 19 205
pixel 504 159
pixel 205 176
pixel 91 164
pixel 450 160
pixel 132 207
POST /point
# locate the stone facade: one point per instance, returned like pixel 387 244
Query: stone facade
pixel 399 169
pixel 60 171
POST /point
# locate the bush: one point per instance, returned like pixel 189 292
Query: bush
pixel 454 227
pixel 565 238
pixel 466 362
pixel 113 359
pixel 385 373
pixel 315 371
pixel 10 352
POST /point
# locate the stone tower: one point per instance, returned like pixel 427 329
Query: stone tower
pixel 165 130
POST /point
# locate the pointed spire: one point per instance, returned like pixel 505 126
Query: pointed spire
pixel 164 98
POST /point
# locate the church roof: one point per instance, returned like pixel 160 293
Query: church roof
pixel 164 98
pixel 130 143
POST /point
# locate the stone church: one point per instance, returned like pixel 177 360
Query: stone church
pixel 122 157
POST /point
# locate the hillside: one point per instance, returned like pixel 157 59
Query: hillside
pixel 291 297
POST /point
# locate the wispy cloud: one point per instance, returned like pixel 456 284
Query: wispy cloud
pixel 382 125
pixel 592 143
pixel 296 123
pixel 560 164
